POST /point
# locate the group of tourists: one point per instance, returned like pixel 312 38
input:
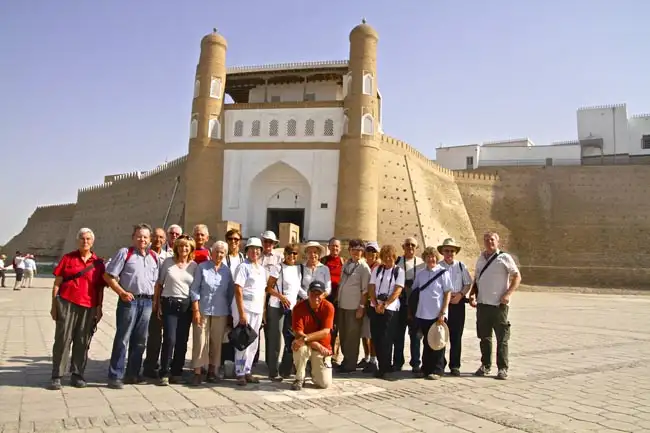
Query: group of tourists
pixel 320 309
pixel 24 266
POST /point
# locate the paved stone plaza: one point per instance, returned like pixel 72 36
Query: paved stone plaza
pixel 579 362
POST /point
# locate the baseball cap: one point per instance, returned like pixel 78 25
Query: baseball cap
pixel 317 286
pixel 372 245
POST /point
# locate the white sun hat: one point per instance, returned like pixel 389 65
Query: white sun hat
pixel 438 336
pixel 312 244
pixel 269 235
pixel 253 242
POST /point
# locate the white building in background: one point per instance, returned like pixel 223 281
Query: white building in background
pixel 606 135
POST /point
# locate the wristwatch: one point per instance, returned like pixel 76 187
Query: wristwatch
pixel 362 306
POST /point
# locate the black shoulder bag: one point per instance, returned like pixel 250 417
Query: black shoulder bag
pixel 82 272
pixel 414 297
pixel 489 262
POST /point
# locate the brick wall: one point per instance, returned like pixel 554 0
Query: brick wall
pixel 111 210
pixel 44 233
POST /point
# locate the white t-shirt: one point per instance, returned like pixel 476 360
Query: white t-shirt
pixel 175 281
pixel 232 262
pixel 252 279
pixel 432 297
pixel 288 284
pixel 385 281
pixel 20 262
pixel 495 280
pixel 30 264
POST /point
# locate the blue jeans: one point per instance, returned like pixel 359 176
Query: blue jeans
pixel 132 323
pixel 176 319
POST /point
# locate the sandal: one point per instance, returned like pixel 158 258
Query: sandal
pixel 241 381
pixel 251 379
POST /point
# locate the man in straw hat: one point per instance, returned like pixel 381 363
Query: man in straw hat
pixel 2 270
pixel 461 282
pixel 497 277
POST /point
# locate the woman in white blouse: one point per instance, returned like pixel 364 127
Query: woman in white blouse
pixel 386 284
pixel 434 287
pixel 172 305
pixel 283 287
pixel 248 306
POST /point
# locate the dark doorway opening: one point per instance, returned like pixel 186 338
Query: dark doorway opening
pixel 276 216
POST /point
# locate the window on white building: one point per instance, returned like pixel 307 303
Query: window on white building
pixel 197 88
pixel 275 98
pixel 239 128
pixel 214 129
pixel 469 162
pixel 309 127
pixel 215 88
pixel 645 142
pixel 310 96
pixel 273 128
pixel 367 125
pixel 367 84
pixel 291 128
pixel 194 128
pixel 255 128
pixel 328 128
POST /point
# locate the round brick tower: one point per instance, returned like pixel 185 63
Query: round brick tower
pixel 358 180
pixel 204 168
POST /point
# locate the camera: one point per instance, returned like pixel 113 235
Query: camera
pixel 383 297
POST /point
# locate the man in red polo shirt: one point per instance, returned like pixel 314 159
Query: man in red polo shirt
pixel 77 297
pixel 201 236
pixel 312 321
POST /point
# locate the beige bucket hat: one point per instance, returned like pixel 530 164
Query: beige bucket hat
pixel 312 244
pixel 438 336
pixel 449 242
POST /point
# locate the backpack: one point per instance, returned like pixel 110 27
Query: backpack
pixel 241 259
pixel 131 250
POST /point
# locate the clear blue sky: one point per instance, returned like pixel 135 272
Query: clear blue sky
pixel 90 88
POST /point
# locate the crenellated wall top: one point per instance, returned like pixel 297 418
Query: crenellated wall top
pixel 601 107
pixel 475 176
pixel 135 175
pixel 411 151
pixel 53 206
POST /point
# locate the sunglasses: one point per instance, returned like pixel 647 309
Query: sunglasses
pixel 233 239
pixel 291 253
pixel 446 251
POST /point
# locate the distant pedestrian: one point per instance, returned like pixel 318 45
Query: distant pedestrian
pixel 30 271
pixel 3 257
pixel 18 264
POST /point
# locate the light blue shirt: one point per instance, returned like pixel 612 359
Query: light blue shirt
pixel 432 297
pixel 137 276
pixel 214 289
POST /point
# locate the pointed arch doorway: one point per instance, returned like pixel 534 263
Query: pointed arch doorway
pixel 279 194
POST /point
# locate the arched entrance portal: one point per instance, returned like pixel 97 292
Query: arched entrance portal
pixel 279 194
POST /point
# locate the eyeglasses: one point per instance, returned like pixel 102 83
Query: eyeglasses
pixel 268 241
pixel 410 245
pixel 448 251
pixel 291 253
pixel 233 239
pixel 174 234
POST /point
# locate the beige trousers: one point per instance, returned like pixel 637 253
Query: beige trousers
pixel 28 277
pixel 206 341
pixel 321 366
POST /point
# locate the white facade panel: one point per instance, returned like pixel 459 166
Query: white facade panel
pixel 321 91
pixel 456 158
pixel 638 127
pixel 256 180
pixel 608 123
pixel 530 155
pixel 246 133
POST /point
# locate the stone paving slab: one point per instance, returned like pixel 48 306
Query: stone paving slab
pixel 579 362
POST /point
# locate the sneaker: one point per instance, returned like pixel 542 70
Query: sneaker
pixel 297 385
pixel 417 371
pixel 78 382
pixel 362 364
pixel 115 384
pixel 432 377
pixel 130 380
pixel 455 372
pixel 164 381
pixel 482 371
pixel 370 368
pixel 176 380
pixel 276 378
pixel 55 385
pixel 502 374
pixel 212 378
